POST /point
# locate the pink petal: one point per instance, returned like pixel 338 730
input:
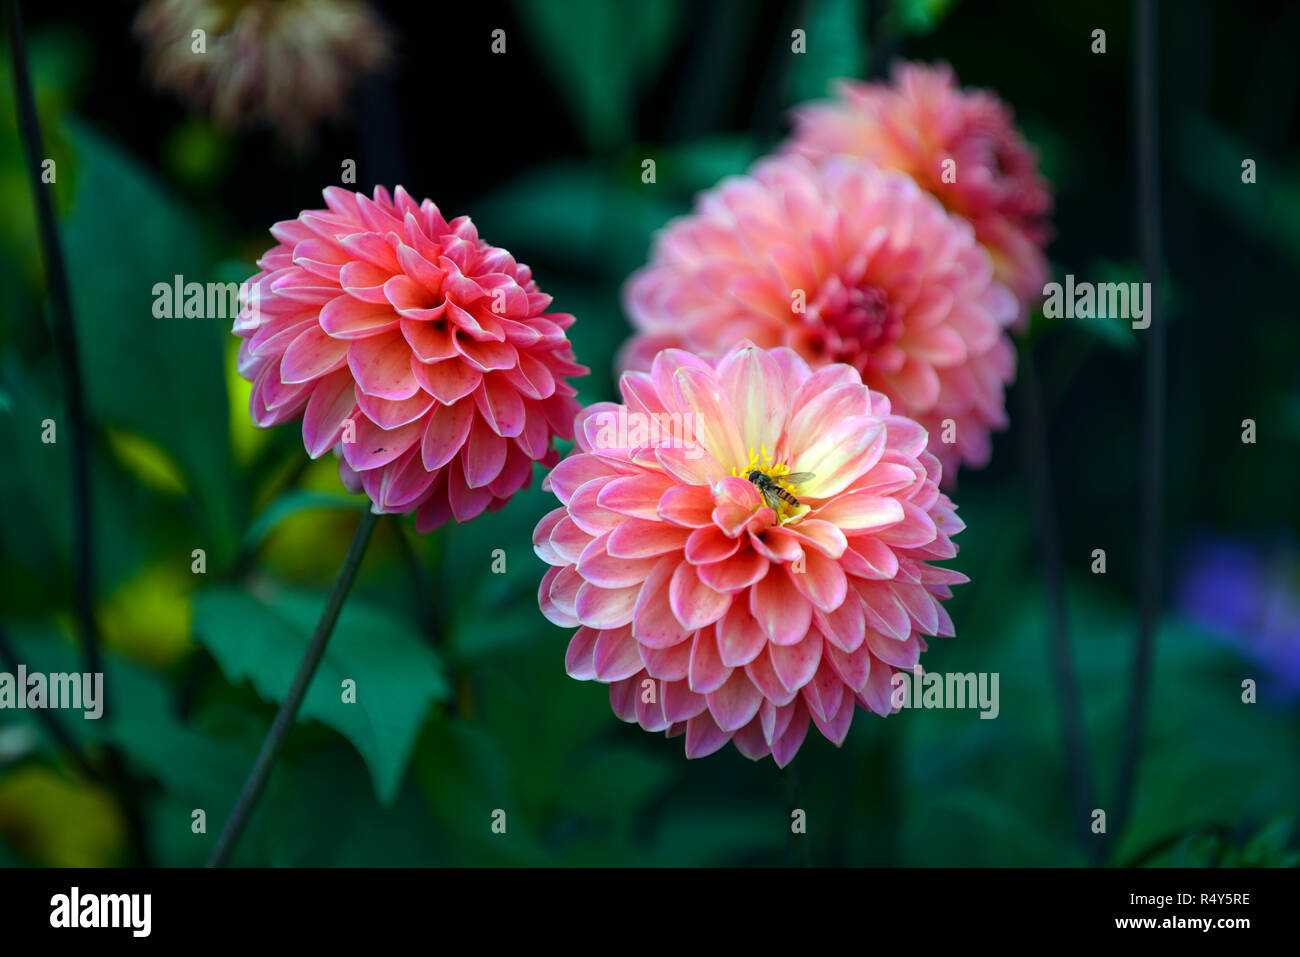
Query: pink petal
pixel 447 381
pixel 345 317
pixel 694 603
pixel 445 434
pixel 654 621
pixel 331 404
pixel 485 455
pixel 782 613
pixel 822 582
pixel 615 656
pixel 707 673
pixel 430 341
pixel 703 736
pixel 734 574
pixel 634 538
pixel 680 703
pixel 740 640
pixel 381 366
pixel 605 607
pixel 578 657
pixel 796 664
pixel 311 355
pixel 390 413
pixel 736 703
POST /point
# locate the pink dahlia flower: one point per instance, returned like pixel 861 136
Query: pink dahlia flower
pixel 745 545
pixel 422 356
pixel 924 119
pixel 842 263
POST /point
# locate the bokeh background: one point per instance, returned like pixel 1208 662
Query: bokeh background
pixel 465 706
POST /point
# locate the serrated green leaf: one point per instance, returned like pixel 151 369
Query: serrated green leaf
pixel 261 637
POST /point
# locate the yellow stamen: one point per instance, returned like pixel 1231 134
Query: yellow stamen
pixel 761 461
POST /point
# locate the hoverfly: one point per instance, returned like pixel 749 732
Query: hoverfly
pixel 773 494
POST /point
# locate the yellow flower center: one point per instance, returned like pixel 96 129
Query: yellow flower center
pixel 769 478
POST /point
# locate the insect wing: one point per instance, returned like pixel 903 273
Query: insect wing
pixel 770 498
pixel 794 478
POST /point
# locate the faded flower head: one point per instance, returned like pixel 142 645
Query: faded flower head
pixel 745 545
pixel 919 122
pixel 424 357
pixel 842 263
pixel 285 63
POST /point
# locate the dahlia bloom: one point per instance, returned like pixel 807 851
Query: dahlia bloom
pixel 285 63
pixel 424 357
pixel 920 121
pixel 842 263
pixel 716 609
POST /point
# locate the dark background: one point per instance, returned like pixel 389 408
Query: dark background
pixel 543 147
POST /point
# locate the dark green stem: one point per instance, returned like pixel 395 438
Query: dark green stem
pixel 288 712
pixel 65 348
pixel 65 338
pixel 1037 466
pixel 1153 410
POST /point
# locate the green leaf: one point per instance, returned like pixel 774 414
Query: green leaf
pixel 836 31
pixel 464 776
pixel 1268 847
pixel 146 461
pixel 555 209
pixel 262 636
pixel 160 378
pixel 619 781
pixel 140 719
pixel 291 503
pixel 1211 159
pixel 920 16
pixel 699 164
pixel 574 214
pixel 36 540
pixel 598 52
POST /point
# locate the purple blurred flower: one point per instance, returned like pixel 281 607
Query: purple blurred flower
pixel 1249 596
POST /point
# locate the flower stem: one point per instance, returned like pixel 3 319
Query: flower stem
pixel 1153 409
pixel 1079 766
pixel 65 339
pixel 284 718
pixel 65 348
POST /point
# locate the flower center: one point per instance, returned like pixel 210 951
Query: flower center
pixel 774 486
pixel 858 319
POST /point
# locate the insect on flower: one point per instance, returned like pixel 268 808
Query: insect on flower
pixel 773 492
